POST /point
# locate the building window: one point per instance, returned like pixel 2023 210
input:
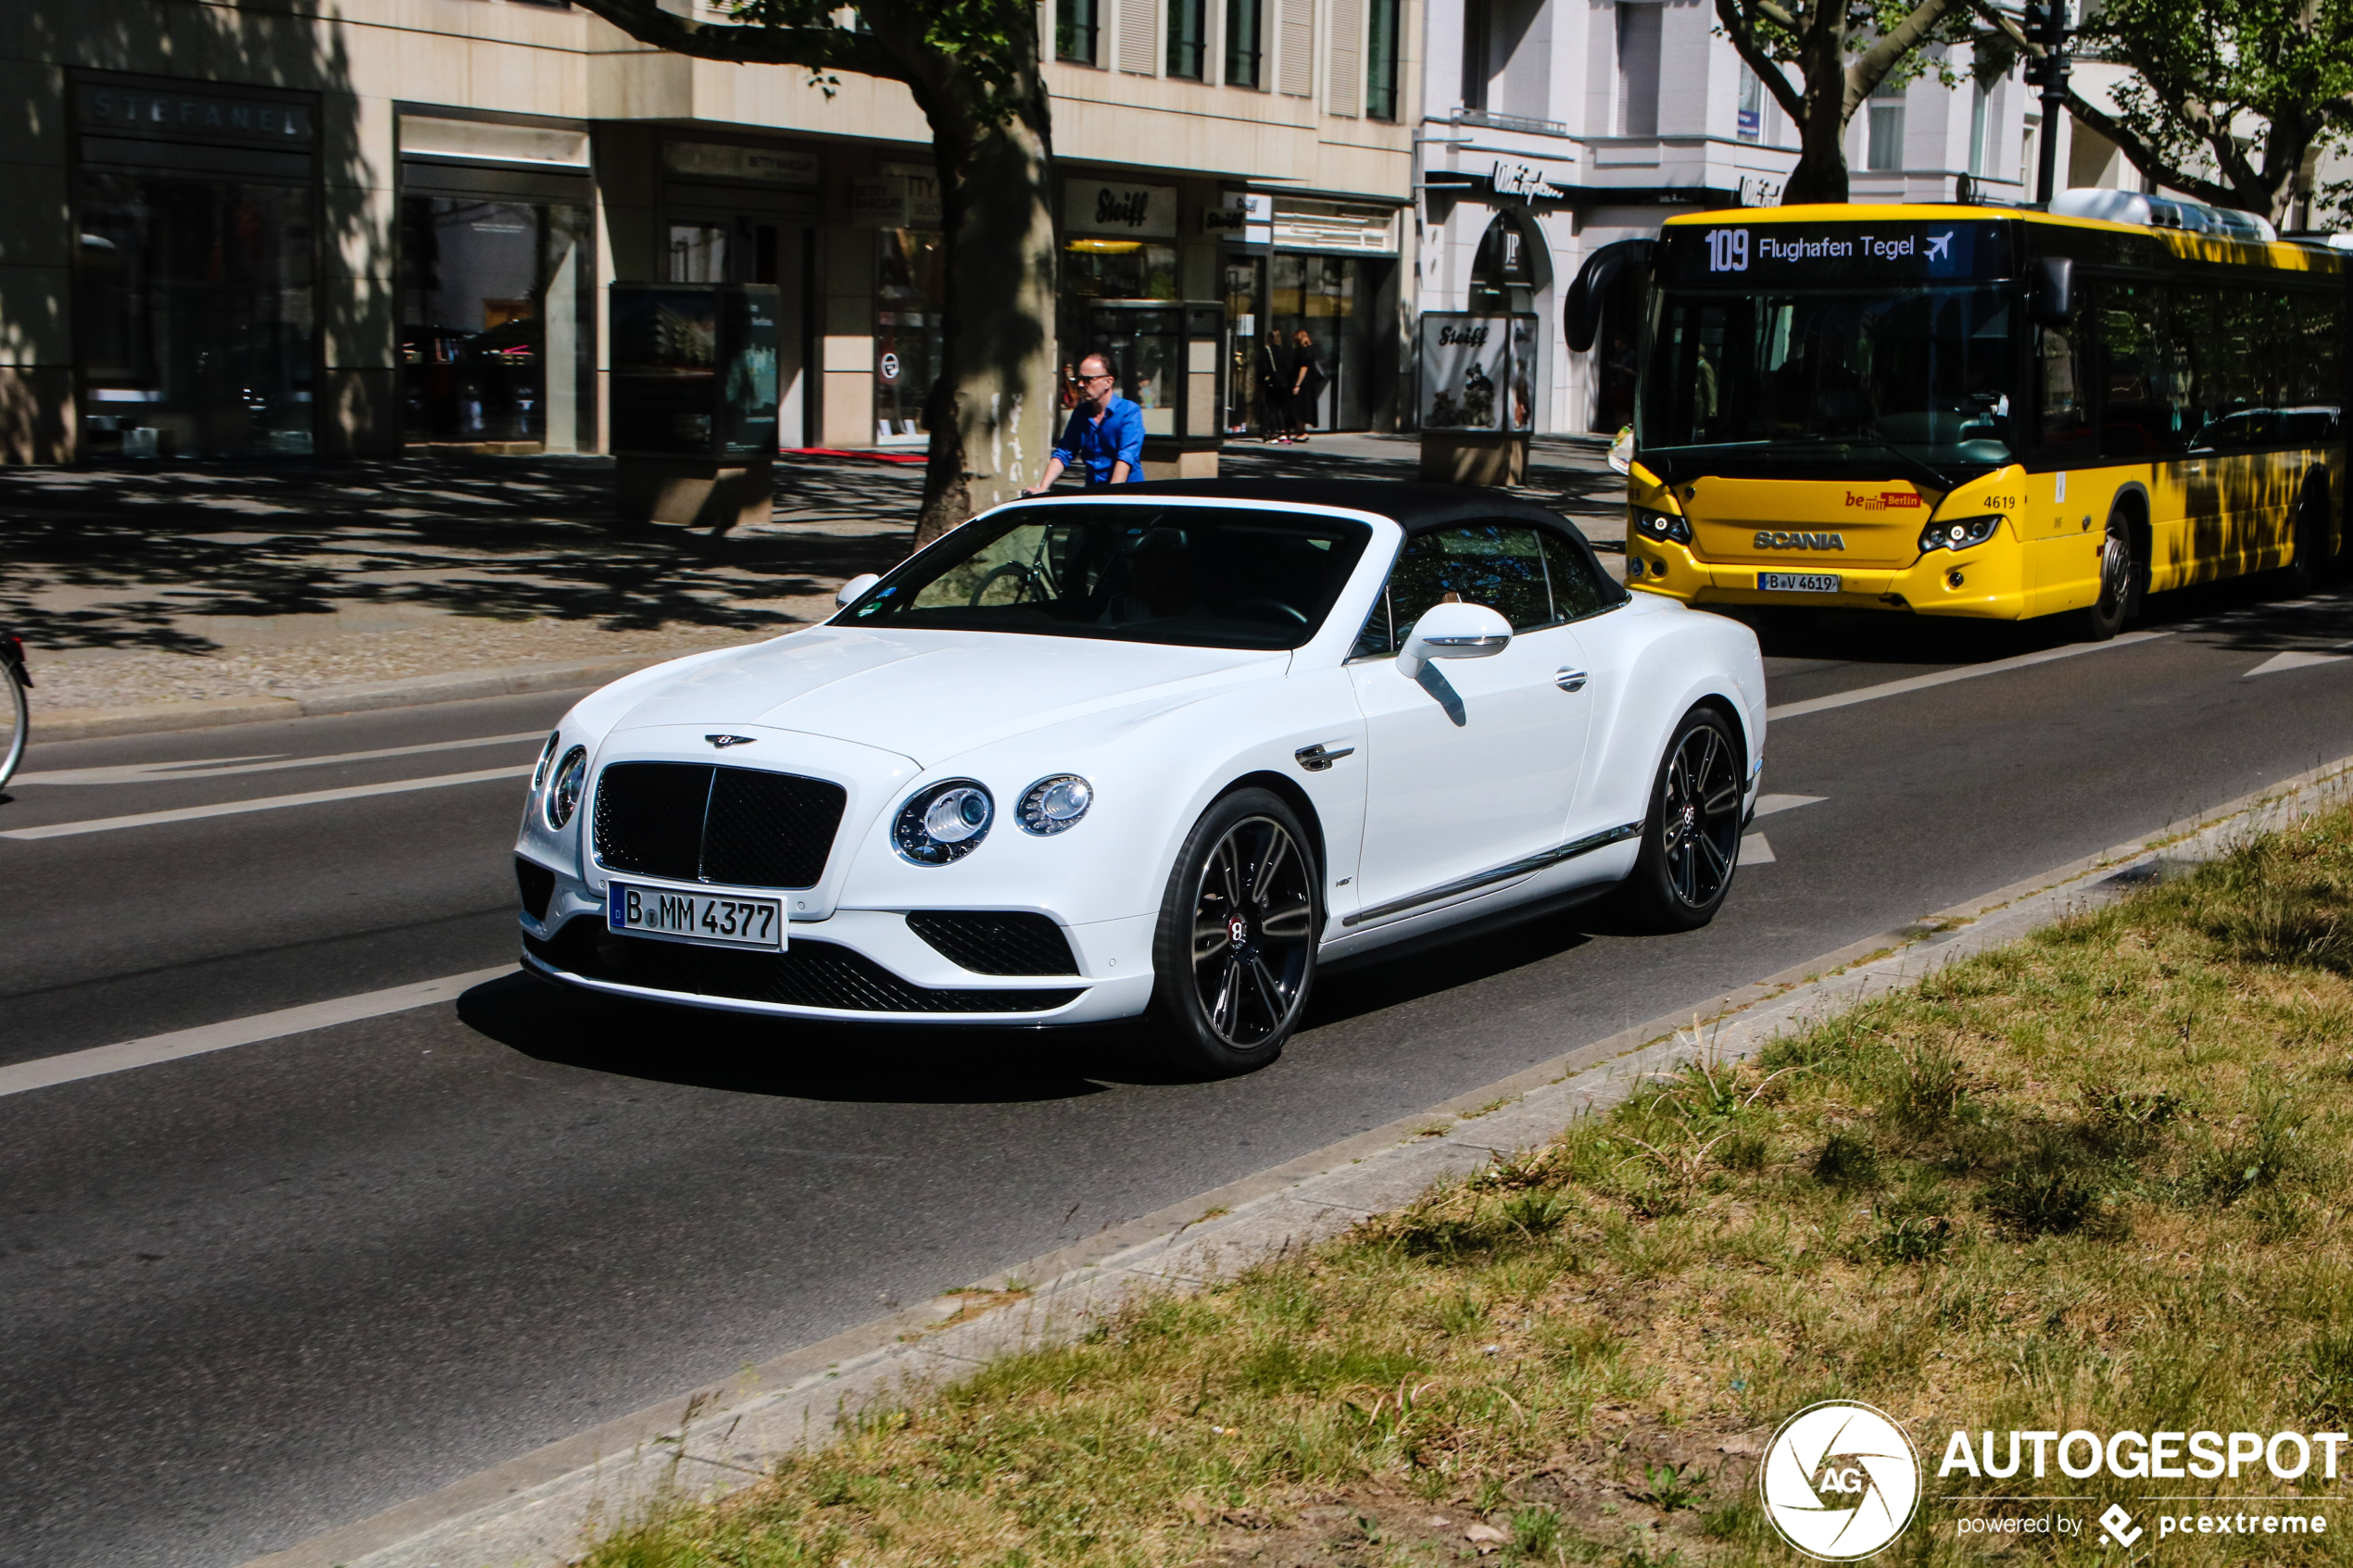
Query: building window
pixel 1075 30
pixel 911 296
pixel 1188 38
pixel 496 320
pixel 1242 51
pixel 1885 150
pixel 1981 103
pixel 1638 36
pixel 1381 62
pixel 1752 115
pixel 1476 47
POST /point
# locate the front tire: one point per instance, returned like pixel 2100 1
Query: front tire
pixel 1234 956
pixel 2122 575
pixel 1692 831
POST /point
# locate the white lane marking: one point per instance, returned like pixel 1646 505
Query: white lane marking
pixel 267 803
pixel 2295 658
pixel 1755 851
pixel 152 1048
pixel 1768 804
pixel 1946 677
pixel 221 766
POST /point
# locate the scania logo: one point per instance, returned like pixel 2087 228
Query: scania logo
pixel 1769 541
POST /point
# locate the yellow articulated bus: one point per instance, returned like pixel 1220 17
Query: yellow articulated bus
pixel 1975 411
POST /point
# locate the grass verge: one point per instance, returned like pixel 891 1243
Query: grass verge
pixel 2096 1179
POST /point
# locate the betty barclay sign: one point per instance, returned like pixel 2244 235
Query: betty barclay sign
pixel 1840 1481
pixel 211 116
pixel 1139 212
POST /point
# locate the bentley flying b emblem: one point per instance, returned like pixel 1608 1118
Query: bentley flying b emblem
pixel 724 741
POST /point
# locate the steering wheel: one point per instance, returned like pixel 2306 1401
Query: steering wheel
pixel 1273 610
pixel 1028 588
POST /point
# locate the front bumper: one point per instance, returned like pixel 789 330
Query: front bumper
pixel 1992 583
pixel 857 966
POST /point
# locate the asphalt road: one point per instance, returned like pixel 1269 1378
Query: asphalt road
pixel 253 1295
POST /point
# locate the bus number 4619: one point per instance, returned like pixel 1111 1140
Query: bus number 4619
pixel 1728 250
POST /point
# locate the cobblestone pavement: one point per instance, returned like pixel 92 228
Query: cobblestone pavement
pixel 146 585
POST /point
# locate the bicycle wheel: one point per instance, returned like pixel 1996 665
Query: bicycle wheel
pixel 14 721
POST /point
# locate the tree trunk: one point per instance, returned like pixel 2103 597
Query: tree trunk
pixel 990 412
pixel 1821 174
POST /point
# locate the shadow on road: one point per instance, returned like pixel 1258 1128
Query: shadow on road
pixel 122 559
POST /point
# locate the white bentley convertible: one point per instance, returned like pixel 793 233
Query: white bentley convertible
pixel 1154 752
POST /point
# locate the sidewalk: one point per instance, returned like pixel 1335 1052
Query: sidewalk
pixel 168 597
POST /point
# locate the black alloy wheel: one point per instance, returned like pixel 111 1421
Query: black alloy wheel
pixel 2122 575
pixel 1235 954
pixel 1691 834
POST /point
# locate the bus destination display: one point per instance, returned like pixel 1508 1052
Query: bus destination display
pixel 1786 254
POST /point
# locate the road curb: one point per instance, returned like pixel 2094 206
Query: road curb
pixel 547 1507
pixel 161 718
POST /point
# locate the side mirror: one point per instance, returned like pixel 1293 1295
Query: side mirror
pixel 2052 303
pixel 855 586
pixel 1452 631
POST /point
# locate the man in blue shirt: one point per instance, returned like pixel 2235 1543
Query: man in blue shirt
pixel 1106 433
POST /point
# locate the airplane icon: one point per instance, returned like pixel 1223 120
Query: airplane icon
pixel 1937 244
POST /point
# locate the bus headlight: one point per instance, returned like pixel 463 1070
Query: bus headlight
pixel 1658 526
pixel 1959 532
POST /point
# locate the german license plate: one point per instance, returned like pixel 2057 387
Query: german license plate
pixel 1797 582
pixel 723 920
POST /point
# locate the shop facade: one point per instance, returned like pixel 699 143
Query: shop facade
pixel 279 241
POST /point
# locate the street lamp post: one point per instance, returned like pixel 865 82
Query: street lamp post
pixel 2046 25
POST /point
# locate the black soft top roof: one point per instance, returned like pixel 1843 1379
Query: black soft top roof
pixel 1409 505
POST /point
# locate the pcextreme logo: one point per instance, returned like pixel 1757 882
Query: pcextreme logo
pixel 1840 1480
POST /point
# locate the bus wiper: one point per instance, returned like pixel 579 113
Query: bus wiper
pixel 1936 476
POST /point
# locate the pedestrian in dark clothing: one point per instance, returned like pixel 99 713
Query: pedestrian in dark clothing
pixel 1274 388
pixel 1308 380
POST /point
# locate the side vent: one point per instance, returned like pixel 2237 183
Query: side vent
pixel 538 885
pixel 996 942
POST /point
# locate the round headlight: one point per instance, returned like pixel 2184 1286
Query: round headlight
pixel 943 822
pixel 563 792
pixel 1053 804
pixel 547 755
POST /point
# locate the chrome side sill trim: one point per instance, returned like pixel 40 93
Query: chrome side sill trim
pixel 1500 873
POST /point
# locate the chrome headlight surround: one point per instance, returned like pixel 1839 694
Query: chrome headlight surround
pixel 943 822
pixel 1959 532
pixel 565 789
pixel 546 756
pixel 1054 803
pixel 1658 526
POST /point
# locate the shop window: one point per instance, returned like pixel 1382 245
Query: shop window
pixel 910 297
pixel 1244 24
pixel 1325 298
pixel 698 252
pixel 1075 31
pixel 1381 61
pixel 1188 38
pixel 1103 268
pixel 196 314
pixel 495 326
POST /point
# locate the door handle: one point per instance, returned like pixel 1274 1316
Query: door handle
pixel 1570 680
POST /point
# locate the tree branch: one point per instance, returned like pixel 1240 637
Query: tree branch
pixel 813 48
pixel 1872 67
pixel 2145 158
pixel 1743 33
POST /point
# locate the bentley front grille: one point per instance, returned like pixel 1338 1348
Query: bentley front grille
pixel 696 821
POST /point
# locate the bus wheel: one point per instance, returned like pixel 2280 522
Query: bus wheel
pixel 2309 542
pixel 2120 583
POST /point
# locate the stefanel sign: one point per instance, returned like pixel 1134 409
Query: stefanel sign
pixel 223 117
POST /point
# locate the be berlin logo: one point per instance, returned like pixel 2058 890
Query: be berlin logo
pixel 1840 1481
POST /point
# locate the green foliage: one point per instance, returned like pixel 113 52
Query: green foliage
pixel 2228 96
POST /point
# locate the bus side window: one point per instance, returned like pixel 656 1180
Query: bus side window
pixel 2065 408
pixel 2136 421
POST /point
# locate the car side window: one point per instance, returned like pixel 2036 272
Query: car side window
pixel 1579 589
pixel 1496 564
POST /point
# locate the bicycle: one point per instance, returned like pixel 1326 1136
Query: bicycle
pixel 15 718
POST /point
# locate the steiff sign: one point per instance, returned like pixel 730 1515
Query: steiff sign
pixel 211 116
pixel 1093 207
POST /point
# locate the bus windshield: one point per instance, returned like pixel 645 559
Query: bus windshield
pixel 1830 380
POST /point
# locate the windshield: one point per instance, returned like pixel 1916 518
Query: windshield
pixel 1852 377
pixel 1204 576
